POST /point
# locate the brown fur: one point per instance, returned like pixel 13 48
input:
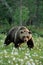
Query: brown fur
pixel 18 35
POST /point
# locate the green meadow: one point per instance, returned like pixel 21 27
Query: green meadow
pixel 9 55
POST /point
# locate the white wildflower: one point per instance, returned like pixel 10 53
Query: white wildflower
pixel 6 56
pixel 26 57
pixel 33 63
pixel 12 52
pixel 39 49
pixel 31 59
pixel 16 64
pixel 36 61
pixel 13 58
pixel 15 53
pixel 29 56
pixel 41 56
pixel 20 60
pixel 35 54
pixel 28 63
pixel 9 61
pixel 13 48
pixel 5 51
pixel 1 40
pixel 19 48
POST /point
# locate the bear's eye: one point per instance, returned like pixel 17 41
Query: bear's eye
pixel 29 32
pixel 21 31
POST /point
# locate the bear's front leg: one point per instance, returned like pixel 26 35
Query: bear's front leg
pixel 30 43
pixel 7 41
pixel 17 45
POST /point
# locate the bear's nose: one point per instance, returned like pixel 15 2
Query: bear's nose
pixel 24 36
pixel 25 40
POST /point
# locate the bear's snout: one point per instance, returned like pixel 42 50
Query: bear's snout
pixel 25 38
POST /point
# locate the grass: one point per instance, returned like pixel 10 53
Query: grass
pixel 38 30
pixel 23 56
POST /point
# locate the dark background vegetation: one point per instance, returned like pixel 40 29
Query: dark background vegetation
pixel 21 12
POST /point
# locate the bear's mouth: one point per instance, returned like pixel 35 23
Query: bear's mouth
pixel 25 39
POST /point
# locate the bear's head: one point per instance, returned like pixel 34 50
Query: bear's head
pixel 24 34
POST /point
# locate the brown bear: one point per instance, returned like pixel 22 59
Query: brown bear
pixel 18 35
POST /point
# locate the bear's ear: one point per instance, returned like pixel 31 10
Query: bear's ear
pixel 30 43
